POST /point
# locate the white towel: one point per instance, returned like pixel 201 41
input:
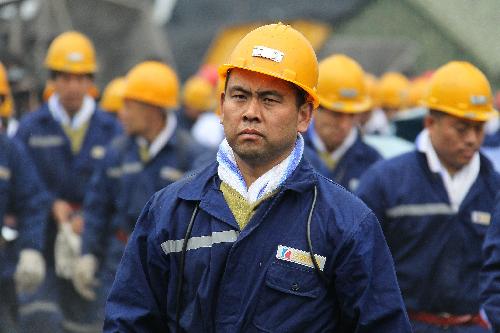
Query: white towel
pixel 230 174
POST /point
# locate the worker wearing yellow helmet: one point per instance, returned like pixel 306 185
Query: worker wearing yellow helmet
pixel 226 250
pixel 391 95
pixel 334 135
pixel 198 97
pixel 435 203
pixel 66 138
pixel 8 123
pixel 153 153
pixel 112 96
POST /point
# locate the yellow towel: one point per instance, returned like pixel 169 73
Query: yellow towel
pixel 330 162
pixel 241 209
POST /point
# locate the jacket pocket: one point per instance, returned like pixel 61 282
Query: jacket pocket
pixel 288 300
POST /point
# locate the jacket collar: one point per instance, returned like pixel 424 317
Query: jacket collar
pixel 197 185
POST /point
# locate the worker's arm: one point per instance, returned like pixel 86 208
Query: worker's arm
pixel 100 204
pixel 138 300
pixel 366 283
pixel 490 273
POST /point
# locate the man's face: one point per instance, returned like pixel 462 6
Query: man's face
pixel 71 89
pixel 135 117
pixel 333 127
pixel 454 139
pixel 261 117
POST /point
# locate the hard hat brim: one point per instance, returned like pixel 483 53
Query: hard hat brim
pixel 313 96
pixel 347 107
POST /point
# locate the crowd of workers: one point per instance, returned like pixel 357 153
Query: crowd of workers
pixel 217 207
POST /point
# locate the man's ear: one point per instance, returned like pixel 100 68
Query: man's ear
pixel 304 116
pixel 429 121
pixel 221 103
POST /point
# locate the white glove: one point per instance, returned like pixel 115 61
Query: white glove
pixel 84 279
pixel 30 271
pixel 67 249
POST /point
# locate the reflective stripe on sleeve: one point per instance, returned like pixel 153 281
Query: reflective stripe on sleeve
pixel 420 210
pixel 172 246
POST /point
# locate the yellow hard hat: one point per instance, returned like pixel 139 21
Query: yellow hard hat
pixel 341 85
pixel 7 107
pixel 71 52
pixel 417 91
pixel 460 89
pixel 280 51
pixel 198 94
pixel 154 83
pixel 4 81
pixel 392 90
pixel 112 97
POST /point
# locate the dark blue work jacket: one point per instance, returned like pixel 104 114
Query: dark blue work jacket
pixel 64 174
pixel 437 250
pixel 259 279
pixel 123 183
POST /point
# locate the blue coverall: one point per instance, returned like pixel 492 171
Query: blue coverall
pixel 238 280
pixel 436 250
pixel 66 176
pixel 21 194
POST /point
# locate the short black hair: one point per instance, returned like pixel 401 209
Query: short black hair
pixel 301 96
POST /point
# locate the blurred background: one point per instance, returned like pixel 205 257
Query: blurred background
pixel 408 36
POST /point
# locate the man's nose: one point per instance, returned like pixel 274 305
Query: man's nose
pixel 253 110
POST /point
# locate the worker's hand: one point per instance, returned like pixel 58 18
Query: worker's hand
pixel 84 279
pixel 62 211
pixel 67 249
pixel 30 271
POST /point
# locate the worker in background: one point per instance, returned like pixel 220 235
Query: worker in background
pixel 226 250
pixel 65 138
pixel 198 97
pixel 24 207
pixel 491 144
pixel 154 153
pixel 371 82
pixel 392 95
pixel 435 203
pixel 8 124
pixel 409 122
pixel 490 273
pixel 112 97
pixel 333 133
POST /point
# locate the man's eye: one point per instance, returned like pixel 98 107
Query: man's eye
pixel 268 100
pixel 239 97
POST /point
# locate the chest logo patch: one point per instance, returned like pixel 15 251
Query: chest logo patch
pixel 482 218
pixel 300 257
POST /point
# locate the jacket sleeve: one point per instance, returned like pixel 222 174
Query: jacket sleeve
pixel 490 273
pixel 100 205
pixel 29 200
pixel 366 284
pixel 138 299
